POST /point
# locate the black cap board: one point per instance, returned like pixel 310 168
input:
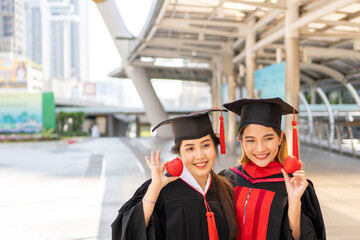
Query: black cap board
pixel 190 126
pixel 266 111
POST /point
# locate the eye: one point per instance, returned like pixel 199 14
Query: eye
pixel 249 141
pixel 269 138
pixel 206 145
pixel 189 149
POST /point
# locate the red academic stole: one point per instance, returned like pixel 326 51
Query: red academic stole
pixel 254 203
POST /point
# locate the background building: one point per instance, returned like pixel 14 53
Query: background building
pixel 11 27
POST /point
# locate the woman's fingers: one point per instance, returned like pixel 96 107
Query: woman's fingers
pixel 163 165
pixel 147 161
pixel 157 159
pixel 286 176
pixel 300 174
pixel 152 158
pixel 166 162
pixel 153 162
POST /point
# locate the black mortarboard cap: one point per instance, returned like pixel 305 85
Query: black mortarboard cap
pixel 266 111
pixel 190 126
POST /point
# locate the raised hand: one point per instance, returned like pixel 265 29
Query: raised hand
pixel 159 179
pixel 295 186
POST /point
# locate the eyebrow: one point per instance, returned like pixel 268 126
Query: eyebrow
pixel 191 144
pixel 266 135
pixel 269 135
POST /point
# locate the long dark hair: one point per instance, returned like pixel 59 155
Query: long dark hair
pixel 223 188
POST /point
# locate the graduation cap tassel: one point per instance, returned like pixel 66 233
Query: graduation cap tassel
pixel 295 138
pixel 213 235
pixel 212 230
pixel 222 135
pixel 292 163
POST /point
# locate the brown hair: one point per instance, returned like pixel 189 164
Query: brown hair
pixel 281 155
pixel 223 188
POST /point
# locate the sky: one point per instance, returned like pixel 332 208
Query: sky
pixel 103 55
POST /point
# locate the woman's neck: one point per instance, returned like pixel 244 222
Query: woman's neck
pixel 202 181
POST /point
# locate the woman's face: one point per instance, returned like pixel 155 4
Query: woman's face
pixel 198 155
pixel 261 144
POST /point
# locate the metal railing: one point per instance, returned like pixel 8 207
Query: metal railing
pixel 318 135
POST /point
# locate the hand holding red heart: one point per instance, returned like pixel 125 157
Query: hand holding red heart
pixel 296 185
pixel 158 178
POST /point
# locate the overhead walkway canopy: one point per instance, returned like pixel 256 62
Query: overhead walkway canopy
pixel 201 30
pixel 225 41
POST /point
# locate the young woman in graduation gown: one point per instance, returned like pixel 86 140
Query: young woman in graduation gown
pixel 198 205
pixel 269 203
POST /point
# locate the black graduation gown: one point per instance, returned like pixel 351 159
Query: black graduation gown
pixel 179 214
pixel 265 204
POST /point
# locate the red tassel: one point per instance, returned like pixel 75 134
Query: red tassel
pixel 222 135
pixel 295 139
pixel 213 234
pixel 212 230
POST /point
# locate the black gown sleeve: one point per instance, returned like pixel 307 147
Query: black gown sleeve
pixel 311 224
pixel 130 223
pixel 228 174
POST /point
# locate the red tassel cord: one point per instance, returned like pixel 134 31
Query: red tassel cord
pixel 222 135
pixel 292 162
pixel 295 138
pixel 212 230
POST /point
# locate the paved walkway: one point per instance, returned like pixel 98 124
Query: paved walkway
pixel 62 191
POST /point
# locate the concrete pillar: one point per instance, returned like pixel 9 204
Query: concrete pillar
pixel 250 65
pixel 153 108
pixel 138 130
pixel 279 55
pixel 212 84
pixel 219 81
pixel 214 92
pixel 313 95
pixel 330 113
pixel 292 68
pixel 231 132
pixel 152 105
pixel 110 126
pixel 231 121
pixel 310 117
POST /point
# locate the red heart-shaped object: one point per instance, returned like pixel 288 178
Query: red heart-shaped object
pixel 291 164
pixel 175 167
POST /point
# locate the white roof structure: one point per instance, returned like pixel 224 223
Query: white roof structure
pixel 219 40
pixel 182 38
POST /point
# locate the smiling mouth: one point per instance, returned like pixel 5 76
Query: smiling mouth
pixel 201 165
pixel 262 156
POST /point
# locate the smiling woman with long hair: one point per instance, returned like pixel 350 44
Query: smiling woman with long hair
pixel 270 204
pixel 197 205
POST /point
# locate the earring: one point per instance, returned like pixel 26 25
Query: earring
pixel 279 143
